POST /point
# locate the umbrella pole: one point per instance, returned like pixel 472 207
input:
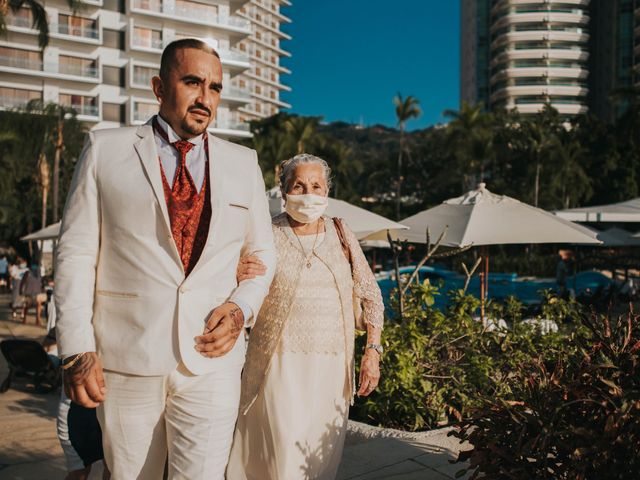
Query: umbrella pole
pixel 484 283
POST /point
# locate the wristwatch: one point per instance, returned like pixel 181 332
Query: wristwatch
pixel 375 346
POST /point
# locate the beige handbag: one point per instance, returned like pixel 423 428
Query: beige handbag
pixel 358 311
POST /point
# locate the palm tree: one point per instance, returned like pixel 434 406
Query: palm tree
pixel 58 115
pixel 570 177
pixel 541 135
pixel 472 141
pixel 40 21
pixel 406 109
pixel 302 130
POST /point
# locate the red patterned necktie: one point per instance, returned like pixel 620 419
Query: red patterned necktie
pixel 182 199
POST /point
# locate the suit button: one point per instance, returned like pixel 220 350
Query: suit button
pixel 183 290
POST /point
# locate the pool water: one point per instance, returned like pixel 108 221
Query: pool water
pixel 527 290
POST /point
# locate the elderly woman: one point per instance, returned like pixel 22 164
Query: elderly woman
pixel 298 379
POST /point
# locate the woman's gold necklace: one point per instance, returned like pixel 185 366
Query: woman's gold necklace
pixel 313 248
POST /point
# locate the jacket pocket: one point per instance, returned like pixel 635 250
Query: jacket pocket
pixel 108 293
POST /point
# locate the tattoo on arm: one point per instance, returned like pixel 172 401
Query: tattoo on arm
pixel 238 320
pixel 79 372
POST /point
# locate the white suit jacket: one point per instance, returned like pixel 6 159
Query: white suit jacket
pixel 120 287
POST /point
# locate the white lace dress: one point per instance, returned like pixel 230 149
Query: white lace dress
pixel 290 432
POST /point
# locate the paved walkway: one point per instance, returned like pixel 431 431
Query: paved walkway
pixel 29 448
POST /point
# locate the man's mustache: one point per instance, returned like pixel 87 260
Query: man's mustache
pixel 199 106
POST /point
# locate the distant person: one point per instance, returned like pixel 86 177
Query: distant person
pixel 78 429
pixel 32 293
pixel 565 269
pixel 4 273
pixel 16 272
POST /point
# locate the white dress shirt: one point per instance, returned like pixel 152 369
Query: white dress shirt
pixel 196 164
pixel 170 157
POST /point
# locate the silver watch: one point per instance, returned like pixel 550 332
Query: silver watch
pixel 375 346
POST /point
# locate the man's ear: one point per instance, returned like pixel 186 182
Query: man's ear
pixel 158 88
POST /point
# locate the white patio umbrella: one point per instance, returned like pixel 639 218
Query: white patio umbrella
pixel 482 218
pixel 362 222
pixel 616 237
pixel 50 232
pixel 628 211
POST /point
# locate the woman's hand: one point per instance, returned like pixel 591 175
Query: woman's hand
pixel 369 372
pixel 250 267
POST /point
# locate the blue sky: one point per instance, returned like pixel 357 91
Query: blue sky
pixel 350 57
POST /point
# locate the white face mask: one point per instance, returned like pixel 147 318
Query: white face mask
pixel 306 208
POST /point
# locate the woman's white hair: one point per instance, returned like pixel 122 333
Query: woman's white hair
pixel 288 167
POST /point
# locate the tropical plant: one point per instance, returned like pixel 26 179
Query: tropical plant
pixel 38 14
pixel 406 109
pixel 575 418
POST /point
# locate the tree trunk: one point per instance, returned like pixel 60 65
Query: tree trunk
pixel 537 185
pixel 399 182
pixel 59 144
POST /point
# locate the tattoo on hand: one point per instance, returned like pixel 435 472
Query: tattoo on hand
pixel 79 372
pixel 238 320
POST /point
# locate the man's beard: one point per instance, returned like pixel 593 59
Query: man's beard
pixel 193 127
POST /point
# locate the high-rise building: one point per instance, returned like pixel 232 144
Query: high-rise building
pixel 572 54
pixel 100 61
pixel 264 78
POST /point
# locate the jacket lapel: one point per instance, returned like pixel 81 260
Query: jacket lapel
pixel 217 154
pixel 146 149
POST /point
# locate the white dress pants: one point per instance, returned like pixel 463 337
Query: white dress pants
pixel 183 419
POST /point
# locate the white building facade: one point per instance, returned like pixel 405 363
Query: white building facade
pixel 101 60
pixel 539 55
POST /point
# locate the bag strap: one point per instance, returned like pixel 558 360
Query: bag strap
pixel 343 240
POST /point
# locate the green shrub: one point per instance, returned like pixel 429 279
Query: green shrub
pixel 576 419
pixel 438 365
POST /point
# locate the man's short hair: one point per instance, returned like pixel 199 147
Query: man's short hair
pixel 169 53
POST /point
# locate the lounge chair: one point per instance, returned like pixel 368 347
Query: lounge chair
pixel 28 359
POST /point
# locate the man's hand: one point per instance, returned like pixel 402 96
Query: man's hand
pixel 221 331
pixel 84 382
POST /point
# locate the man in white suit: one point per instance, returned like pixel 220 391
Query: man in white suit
pixel 149 310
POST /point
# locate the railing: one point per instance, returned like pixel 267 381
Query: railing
pixel 21 21
pixel 79 70
pixel 143 78
pixel 75 30
pixel 228 55
pixel 236 93
pixel 7 101
pixel 146 42
pixel 199 14
pixel 230 125
pixel 86 110
pixel 21 62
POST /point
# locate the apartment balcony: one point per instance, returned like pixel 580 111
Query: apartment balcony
pixel 542 17
pixel 230 128
pixel 11 102
pixel 236 62
pixel 540 90
pixel 569 109
pixel 540 72
pixel 56 30
pixel 234 95
pixel 47 69
pixel 577 37
pixel 236 27
pixel 87 112
pixel 503 4
pixel 144 42
pixel 273 83
pixel 512 54
pixel 82 32
pixel 272 27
